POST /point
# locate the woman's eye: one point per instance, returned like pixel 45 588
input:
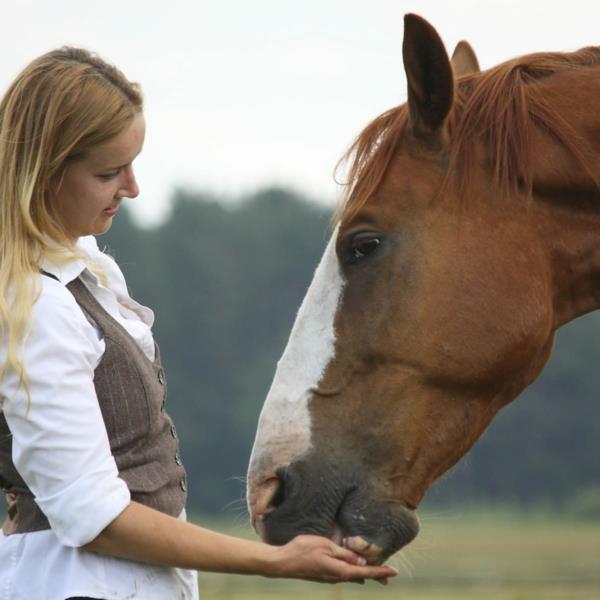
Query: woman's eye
pixel 108 176
pixel 363 245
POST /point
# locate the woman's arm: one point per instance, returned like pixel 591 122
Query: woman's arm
pixel 147 535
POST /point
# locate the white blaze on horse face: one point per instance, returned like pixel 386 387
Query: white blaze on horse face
pixel 284 424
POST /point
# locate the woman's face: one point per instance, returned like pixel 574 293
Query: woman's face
pixel 92 187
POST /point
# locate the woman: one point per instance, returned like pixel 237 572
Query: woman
pixel 88 455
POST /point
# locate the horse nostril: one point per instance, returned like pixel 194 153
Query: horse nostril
pixel 279 495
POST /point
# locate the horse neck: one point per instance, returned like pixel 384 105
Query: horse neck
pixel 567 196
pixel 568 225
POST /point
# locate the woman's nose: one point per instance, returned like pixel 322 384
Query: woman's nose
pixel 129 188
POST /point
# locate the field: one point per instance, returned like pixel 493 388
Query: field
pixel 477 555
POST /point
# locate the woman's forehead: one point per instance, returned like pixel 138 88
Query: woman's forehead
pixel 122 149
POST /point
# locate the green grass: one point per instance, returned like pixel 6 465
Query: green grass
pixel 497 555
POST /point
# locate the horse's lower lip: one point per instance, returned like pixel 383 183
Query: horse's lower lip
pixel 371 552
pixel 337 535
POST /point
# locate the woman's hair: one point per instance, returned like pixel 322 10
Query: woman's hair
pixel 61 106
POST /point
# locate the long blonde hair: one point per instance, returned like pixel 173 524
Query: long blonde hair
pixel 62 105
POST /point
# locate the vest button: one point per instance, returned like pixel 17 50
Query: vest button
pixel 161 376
pixel 178 458
pixel 173 431
pixel 183 485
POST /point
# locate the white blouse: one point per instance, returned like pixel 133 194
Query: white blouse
pixel 61 448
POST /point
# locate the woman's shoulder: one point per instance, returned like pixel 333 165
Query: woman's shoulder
pixel 53 294
pixel 58 332
pixel 55 307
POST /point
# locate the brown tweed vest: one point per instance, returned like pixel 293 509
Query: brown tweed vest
pixel 131 392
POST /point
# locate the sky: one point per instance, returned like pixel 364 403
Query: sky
pixel 244 94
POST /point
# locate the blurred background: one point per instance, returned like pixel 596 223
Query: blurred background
pixel 249 106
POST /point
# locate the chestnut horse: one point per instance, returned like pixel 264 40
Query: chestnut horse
pixel 469 235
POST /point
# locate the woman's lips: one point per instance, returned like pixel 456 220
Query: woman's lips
pixel 111 211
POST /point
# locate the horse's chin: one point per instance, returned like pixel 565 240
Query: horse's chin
pixel 378 532
pixel 372 553
pixel 376 546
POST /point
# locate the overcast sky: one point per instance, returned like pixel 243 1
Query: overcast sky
pixel 242 94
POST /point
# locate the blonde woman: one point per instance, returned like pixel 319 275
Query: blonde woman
pixel 89 458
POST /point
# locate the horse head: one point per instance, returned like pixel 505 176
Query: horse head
pixel 433 306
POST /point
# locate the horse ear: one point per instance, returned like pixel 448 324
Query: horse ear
pixel 464 60
pixel 429 77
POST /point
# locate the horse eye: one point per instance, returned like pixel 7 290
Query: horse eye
pixel 362 245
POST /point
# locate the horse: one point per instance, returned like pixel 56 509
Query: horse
pixel 470 232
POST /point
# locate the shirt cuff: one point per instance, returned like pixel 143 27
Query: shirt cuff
pixel 82 510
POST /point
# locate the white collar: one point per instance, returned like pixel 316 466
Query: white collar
pixel 66 272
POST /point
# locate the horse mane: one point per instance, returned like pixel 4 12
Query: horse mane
pixel 499 105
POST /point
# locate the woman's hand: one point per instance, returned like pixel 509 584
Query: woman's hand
pixel 320 559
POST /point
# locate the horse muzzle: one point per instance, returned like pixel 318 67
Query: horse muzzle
pixel 334 502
